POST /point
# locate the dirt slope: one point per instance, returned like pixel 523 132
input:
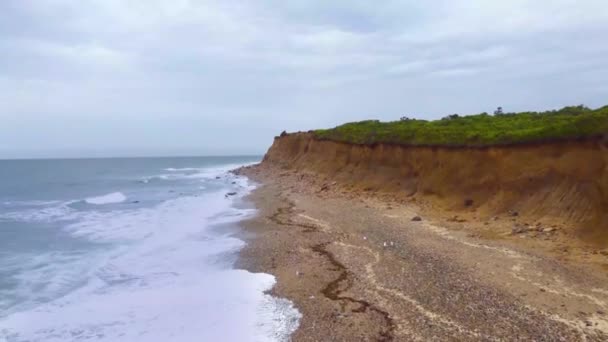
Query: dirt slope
pixel 564 183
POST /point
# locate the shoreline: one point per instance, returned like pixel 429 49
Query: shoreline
pixel 358 268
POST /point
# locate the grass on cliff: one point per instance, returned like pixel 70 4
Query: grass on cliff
pixel 477 130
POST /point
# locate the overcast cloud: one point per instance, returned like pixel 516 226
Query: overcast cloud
pixel 154 77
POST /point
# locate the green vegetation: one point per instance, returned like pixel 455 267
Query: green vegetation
pixel 476 130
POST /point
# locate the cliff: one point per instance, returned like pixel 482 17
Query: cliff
pixel 565 182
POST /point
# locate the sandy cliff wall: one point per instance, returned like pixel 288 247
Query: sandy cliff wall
pixel 564 182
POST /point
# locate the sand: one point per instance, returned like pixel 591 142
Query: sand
pixel 360 269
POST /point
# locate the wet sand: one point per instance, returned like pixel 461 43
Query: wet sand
pixel 360 269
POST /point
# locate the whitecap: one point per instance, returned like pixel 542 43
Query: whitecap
pixel 209 173
pixel 115 197
pixel 172 169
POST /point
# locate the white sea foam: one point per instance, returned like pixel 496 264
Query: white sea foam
pixel 115 197
pixel 216 306
pixel 48 276
pixel 172 169
pixel 208 173
pixel 61 211
pixel 32 203
pixel 168 277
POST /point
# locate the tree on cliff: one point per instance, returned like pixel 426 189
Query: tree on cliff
pixel 451 117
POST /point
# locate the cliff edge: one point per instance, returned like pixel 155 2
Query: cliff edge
pixel 564 182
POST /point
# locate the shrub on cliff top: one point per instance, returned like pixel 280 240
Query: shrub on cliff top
pixel 477 130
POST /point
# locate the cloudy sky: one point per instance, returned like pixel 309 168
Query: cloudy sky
pixel 158 77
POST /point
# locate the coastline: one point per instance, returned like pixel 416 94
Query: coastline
pixel 358 268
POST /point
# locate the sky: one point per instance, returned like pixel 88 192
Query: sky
pixel 205 77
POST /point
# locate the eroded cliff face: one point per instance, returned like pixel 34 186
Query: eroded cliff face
pixel 565 182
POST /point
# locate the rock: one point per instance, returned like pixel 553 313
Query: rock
pixel 135 202
pixel 416 218
pixel 514 213
pixel 230 194
pixel 604 252
pixel 519 229
pixel 600 312
pixel 325 187
pixel 495 218
pixel 548 230
pixel 468 202
pixel 456 218
pixel 588 323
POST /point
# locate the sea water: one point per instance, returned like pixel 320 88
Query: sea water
pixel 139 249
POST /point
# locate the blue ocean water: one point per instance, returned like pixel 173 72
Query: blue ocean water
pixel 130 249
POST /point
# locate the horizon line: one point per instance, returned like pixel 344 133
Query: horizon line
pixel 136 157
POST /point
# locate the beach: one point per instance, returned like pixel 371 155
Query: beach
pixel 365 267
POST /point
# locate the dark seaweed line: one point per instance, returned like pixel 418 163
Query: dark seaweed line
pixel 308 228
pixel 332 290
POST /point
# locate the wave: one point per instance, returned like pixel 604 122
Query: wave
pixel 115 197
pixel 62 211
pixel 31 203
pixel 173 255
pixel 208 173
pixel 172 169
pixel 152 223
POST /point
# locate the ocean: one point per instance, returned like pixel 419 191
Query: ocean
pixel 131 249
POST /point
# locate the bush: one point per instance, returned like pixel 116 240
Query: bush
pixel 477 130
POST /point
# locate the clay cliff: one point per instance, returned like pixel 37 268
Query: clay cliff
pixel 564 182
